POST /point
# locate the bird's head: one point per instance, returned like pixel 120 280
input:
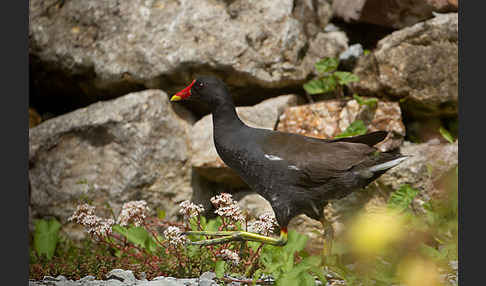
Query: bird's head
pixel 208 89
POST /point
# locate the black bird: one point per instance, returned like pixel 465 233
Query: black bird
pixel 295 173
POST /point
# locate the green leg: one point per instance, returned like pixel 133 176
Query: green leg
pixel 328 236
pixel 228 236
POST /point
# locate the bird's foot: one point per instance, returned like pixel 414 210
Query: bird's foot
pixel 227 236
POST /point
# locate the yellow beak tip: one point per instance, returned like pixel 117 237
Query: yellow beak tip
pixel 175 98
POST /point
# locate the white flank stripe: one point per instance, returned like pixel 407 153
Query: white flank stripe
pixel 387 165
pixel 292 167
pixel 273 157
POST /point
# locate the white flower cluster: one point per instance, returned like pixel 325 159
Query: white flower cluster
pixel 230 256
pixel 189 209
pixel 227 207
pixel 265 224
pixel 133 212
pixel 174 235
pixel 85 216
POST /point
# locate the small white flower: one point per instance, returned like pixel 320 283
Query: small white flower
pixel 189 209
pixel 265 224
pixel 133 212
pixel 104 227
pixel 230 256
pixel 227 207
pixel 81 212
pixel 93 224
pixel 174 235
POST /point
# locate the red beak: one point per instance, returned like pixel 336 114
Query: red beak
pixel 183 94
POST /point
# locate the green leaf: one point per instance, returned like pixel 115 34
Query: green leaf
pixel 138 236
pixel 161 214
pixel 327 65
pixel 298 274
pixel 219 268
pixel 344 78
pixel 296 242
pixel 356 128
pixel 321 85
pixel 402 198
pixel 214 224
pixel 46 236
pixel 430 251
pixel 447 136
pixel 371 102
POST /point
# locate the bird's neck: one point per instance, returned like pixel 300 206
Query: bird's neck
pixel 224 117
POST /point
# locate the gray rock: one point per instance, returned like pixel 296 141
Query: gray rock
pixel 205 159
pixel 169 281
pixel 348 58
pixel 206 279
pixel 393 14
pixel 120 277
pixel 125 276
pixel 208 275
pixel 131 148
pixel 418 64
pixel 426 166
pixel 105 49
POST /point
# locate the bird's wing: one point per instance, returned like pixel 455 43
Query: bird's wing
pixel 317 160
pixel 369 139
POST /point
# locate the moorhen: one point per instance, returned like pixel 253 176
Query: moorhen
pixel 295 173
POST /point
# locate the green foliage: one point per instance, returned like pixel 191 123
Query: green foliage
pixel 322 85
pixel 329 78
pixel 431 234
pixel 161 214
pixel 327 65
pixel 402 198
pixel 345 78
pixel 356 128
pixel 427 236
pixel 46 236
pixel 279 262
pixel 370 102
pixel 446 134
pixel 219 268
pixel 138 236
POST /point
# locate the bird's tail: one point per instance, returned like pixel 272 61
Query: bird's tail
pixel 388 164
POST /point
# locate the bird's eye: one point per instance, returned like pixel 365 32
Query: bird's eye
pixel 200 84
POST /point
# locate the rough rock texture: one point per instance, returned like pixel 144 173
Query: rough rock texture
pixel 131 148
pixel 106 48
pixel 428 163
pixel 120 277
pixel 328 118
pixel 426 170
pixel 418 64
pixel 205 159
pixel 390 13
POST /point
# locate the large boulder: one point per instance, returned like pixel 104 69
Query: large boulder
pixel 131 148
pixel 328 118
pixel 419 65
pixel 393 14
pixel 103 49
pixel 205 159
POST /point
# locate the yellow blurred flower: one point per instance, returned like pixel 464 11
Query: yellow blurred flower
pixel 371 233
pixel 418 272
